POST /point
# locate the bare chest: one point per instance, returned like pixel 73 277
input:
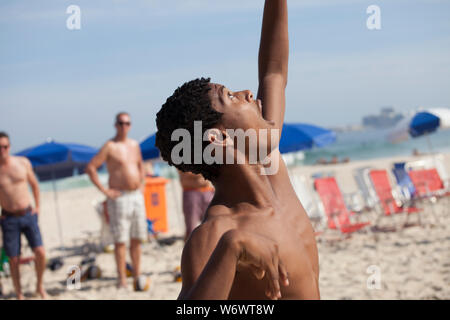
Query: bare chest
pixel 122 155
pixel 297 254
pixel 11 175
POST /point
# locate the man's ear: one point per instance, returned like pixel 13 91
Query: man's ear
pixel 218 137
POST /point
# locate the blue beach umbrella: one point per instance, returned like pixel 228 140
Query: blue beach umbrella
pixel 148 149
pixel 52 160
pixel 302 136
pixel 420 123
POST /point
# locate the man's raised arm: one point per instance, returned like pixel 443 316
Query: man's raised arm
pixel 273 60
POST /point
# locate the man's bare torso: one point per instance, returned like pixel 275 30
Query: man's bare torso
pixel 285 222
pixel 123 165
pixel 14 193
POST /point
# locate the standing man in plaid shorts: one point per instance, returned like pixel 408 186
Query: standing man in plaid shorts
pixel 125 201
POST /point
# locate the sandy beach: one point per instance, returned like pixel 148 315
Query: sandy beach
pixel 411 264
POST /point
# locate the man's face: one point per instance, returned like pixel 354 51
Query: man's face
pixel 240 110
pixel 4 148
pixel 123 124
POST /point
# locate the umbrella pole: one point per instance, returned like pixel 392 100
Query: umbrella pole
pixel 435 162
pixel 430 148
pixel 58 218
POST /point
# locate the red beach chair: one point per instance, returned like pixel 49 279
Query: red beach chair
pixel 382 186
pixel 428 183
pixel 429 186
pixel 338 216
pixel 389 206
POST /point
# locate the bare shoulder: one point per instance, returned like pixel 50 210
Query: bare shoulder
pixel 207 234
pixel 108 146
pixel 132 142
pixel 22 161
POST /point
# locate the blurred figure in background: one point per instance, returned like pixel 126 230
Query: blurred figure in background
pixel 125 203
pixel 18 215
pixel 197 194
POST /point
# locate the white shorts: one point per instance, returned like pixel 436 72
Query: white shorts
pixel 127 217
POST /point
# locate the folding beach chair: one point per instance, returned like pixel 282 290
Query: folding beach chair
pixel 307 198
pixel 436 162
pixel 428 183
pixel 338 216
pixel 388 203
pixel 362 178
pixel 404 181
pixel 429 186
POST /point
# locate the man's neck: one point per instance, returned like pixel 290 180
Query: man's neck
pixel 243 183
pixel 120 138
pixel 4 161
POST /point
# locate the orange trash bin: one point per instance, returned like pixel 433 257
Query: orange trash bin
pixel 155 202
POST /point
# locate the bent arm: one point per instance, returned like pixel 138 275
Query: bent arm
pixel 216 279
pixel 94 164
pixel 273 60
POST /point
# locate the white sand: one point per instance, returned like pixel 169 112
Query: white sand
pixel 412 264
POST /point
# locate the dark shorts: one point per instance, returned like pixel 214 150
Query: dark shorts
pixel 12 227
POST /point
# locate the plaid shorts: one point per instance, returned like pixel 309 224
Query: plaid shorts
pixel 127 216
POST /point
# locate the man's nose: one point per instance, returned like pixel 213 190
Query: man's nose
pixel 248 95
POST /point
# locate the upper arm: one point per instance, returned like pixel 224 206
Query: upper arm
pixel 100 157
pixel 190 266
pixel 140 160
pixel 187 277
pixel 196 254
pixel 271 92
pixel 31 177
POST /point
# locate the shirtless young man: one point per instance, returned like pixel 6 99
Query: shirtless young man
pixel 256 241
pixel 18 217
pixel 125 201
pixel 197 194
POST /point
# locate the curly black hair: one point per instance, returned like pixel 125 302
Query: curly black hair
pixel 187 104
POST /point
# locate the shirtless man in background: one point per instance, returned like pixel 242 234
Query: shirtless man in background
pixel 256 241
pixel 125 201
pixel 18 216
pixel 197 194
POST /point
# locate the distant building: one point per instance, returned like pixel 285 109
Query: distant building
pixel 386 119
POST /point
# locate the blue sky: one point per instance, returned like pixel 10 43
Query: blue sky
pixel 131 55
